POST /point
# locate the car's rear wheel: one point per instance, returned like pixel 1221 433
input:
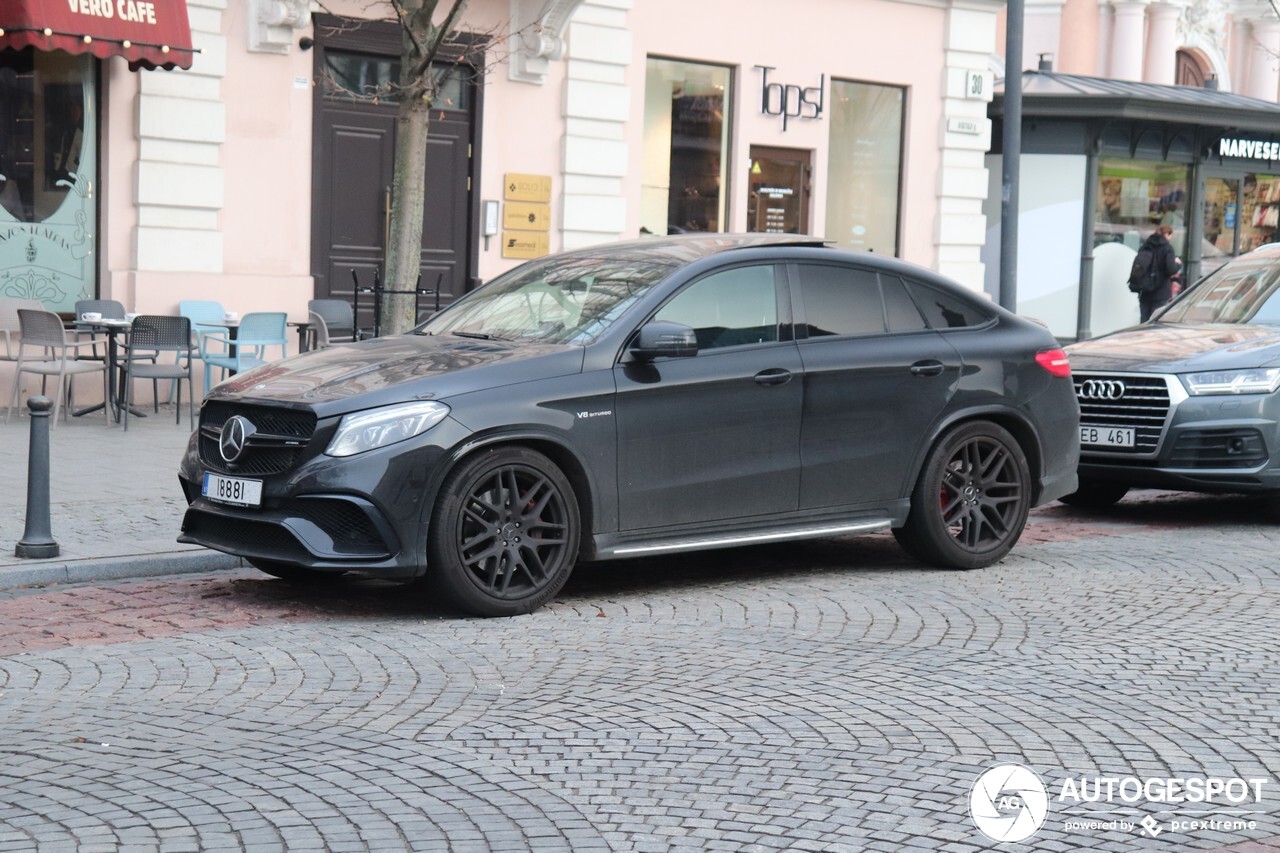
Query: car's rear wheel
pixel 1095 494
pixel 294 574
pixel 971 501
pixel 504 533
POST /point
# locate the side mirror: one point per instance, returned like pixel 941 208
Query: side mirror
pixel 660 338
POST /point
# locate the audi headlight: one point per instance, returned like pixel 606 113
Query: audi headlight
pixel 380 427
pixel 1261 380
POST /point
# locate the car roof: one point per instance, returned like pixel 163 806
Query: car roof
pixel 683 249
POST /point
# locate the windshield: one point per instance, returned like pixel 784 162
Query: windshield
pixel 1241 292
pixel 560 300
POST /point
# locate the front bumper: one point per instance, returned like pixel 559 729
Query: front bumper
pixel 1218 443
pixel 364 513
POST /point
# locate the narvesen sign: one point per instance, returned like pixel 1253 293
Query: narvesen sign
pixel 1252 149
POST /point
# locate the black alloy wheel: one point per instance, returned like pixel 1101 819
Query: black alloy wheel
pixel 504 535
pixel 971 502
pixel 1095 494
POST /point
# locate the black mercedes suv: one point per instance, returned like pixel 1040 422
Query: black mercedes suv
pixel 647 397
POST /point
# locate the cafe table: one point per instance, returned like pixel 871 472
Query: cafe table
pixel 112 329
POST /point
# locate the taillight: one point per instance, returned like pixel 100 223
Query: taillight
pixel 1055 361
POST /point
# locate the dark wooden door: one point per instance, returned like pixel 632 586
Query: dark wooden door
pixel 348 223
pixel 353 163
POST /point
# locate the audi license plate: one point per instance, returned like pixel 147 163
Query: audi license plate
pixel 1107 436
pixel 230 490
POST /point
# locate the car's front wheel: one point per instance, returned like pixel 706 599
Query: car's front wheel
pixel 504 533
pixel 1095 494
pixel 971 501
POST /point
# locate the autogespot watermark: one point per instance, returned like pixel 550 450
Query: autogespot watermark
pixel 1010 803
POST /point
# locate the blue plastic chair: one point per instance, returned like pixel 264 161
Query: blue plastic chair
pixel 254 334
pixel 201 312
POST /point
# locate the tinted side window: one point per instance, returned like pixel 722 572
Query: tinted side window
pixel 737 306
pixel 840 300
pixel 901 312
pixel 944 311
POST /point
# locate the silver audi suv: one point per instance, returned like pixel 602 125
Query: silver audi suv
pixel 1189 399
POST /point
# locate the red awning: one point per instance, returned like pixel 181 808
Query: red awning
pixel 148 33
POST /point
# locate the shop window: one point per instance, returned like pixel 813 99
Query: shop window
pixel 1135 196
pixel 864 170
pixel 48 169
pixel 686 140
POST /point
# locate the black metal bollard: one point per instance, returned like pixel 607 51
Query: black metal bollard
pixel 37 538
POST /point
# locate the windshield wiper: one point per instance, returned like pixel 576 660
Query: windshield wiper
pixel 480 336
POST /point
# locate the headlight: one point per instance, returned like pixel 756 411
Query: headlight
pixel 380 427
pixel 1261 380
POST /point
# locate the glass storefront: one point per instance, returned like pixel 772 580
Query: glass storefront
pixel 1135 196
pixel 48 168
pixel 1240 214
pixel 686 139
pixel 865 165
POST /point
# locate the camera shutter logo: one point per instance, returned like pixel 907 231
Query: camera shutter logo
pixel 1008 803
pixel 1101 389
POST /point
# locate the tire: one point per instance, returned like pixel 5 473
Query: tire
pixel 294 574
pixel 1095 494
pixel 504 533
pixel 971 501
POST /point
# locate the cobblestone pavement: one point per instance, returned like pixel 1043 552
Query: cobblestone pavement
pixel 823 696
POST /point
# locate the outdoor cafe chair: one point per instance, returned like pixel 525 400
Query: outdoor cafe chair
pixel 246 346
pixel 338 317
pixel 55 356
pixel 110 309
pixel 319 331
pixel 151 333
pixel 9 328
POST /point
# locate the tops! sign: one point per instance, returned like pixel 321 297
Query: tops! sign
pixel 1252 149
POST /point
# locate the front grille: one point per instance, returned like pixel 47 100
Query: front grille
pixel 286 423
pixel 1143 405
pixel 280 437
pixel 1219 448
pixel 345 523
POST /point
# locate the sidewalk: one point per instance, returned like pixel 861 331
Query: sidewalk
pixel 115 505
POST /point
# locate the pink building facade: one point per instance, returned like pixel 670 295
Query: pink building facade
pixel 256 177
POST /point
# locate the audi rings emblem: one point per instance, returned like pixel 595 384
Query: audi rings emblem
pixel 1101 389
pixel 235 435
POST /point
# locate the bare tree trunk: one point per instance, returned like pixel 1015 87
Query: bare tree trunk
pixel 404 249
pixel 420 43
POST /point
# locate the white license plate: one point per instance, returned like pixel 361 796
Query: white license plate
pixel 230 490
pixel 1107 436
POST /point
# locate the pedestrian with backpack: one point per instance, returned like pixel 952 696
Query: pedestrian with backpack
pixel 1153 272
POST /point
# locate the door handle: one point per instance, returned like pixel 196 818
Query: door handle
pixel 929 367
pixel 773 376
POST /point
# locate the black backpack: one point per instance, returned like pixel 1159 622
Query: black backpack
pixel 1143 276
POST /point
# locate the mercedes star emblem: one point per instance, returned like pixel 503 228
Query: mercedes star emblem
pixel 235 434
